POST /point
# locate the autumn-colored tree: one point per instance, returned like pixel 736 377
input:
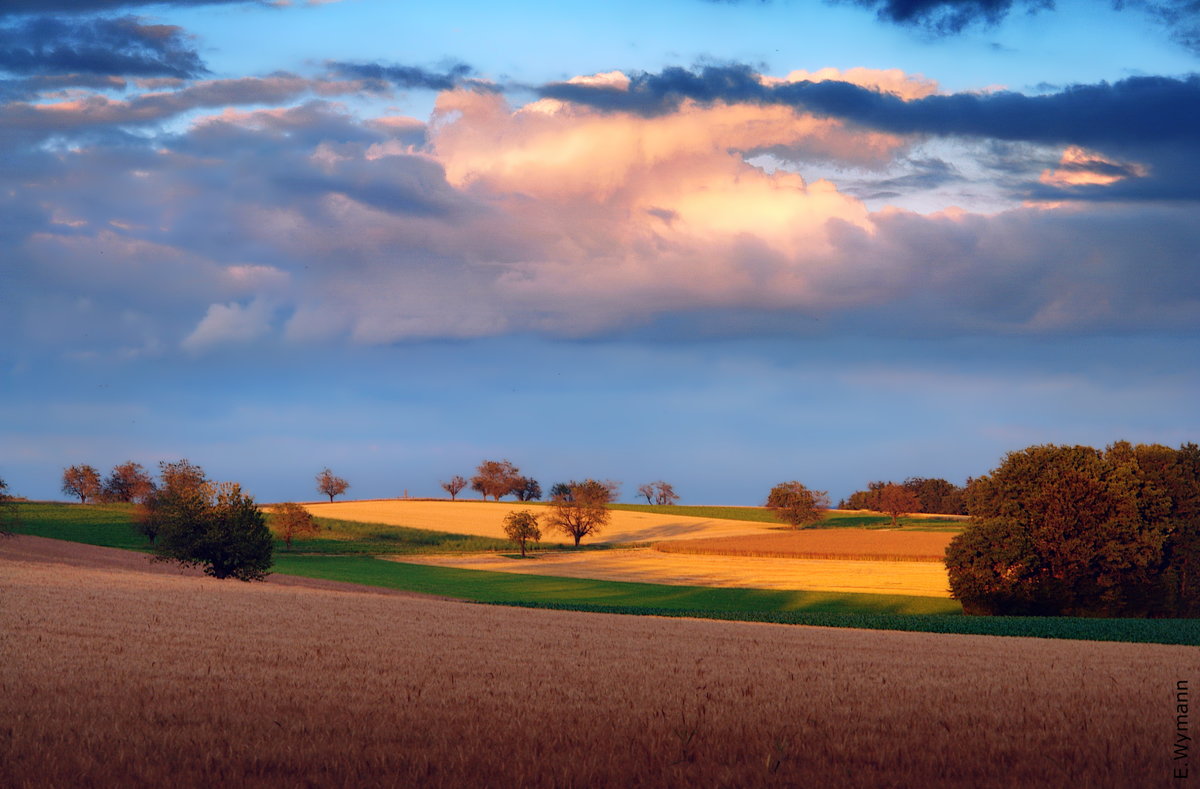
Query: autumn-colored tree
pixel 495 478
pixel 454 486
pixel 937 495
pixel 658 493
pixel 527 489
pixel 795 504
pixel 1075 531
pixel 521 527
pixel 128 482
pixel 331 485
pixel 292 521
pixel 81 481
pixel 582 510
pixel 897 501
pixel 864 499
pixel 177 481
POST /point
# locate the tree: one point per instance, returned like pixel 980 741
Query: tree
pixel 177 481
pixel 898 502
pixel 521 527
pixel 527 489
pixel 495 478
pixel 9 517
pixel 937 495
pixel 864 499
pixel 561 490
pixel 582 510
pixel 658 493
pixel 291 521
pixel 797 505
pixel 331 485
pixel 128 482
pixel 214 526
pixel 1075 531
pixel 81 481
pixel 454 486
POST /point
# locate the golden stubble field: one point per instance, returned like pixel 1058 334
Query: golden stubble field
pixel 112 675
pixel 486 519
pixel 647 565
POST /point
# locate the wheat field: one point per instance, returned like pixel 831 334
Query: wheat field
pixel 647 565
pixel 863 544
pixel 115 672
pixel 486 519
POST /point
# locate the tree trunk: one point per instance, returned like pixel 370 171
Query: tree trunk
pixel 330 498
pixel 577 538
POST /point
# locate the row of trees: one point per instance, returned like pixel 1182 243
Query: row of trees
pixel 915 494
pixel 500 478
pixel 127 482
pixel 1076 531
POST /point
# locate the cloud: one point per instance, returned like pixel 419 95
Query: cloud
pixel 404 76
pixel 946 17
pixel 230 323
pixel 123 46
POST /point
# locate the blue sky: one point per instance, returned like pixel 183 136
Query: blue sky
pixel 721 244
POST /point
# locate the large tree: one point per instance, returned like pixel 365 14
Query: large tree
pixel 522 528
pixel 177 481
pixel 331 485
pixel 1075 531
pixel 797 505
pixel 582 510
pixel 128 482
pixel 214 526
pixel 81 481
pixel 937 495
pixel 495 478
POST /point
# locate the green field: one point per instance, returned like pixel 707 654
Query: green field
pixel 349 558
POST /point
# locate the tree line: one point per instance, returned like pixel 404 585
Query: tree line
pixel 916 494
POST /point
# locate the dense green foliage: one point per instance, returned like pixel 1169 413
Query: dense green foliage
pixel 1071 530
pixel 221 530
pixel 934 495
pixel 797 505
pixel 9 518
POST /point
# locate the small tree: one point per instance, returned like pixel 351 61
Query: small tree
pixel 527 489
pixel 649 491
pixel 454 486
pixel 897 502
pixel 81 481
pixel 9 517
pixel 331 485
pixel 495 478
pixel 583 511
pixel 128 482
pixel 521 527
pixel 795 504
pixel 561 491
pixel 291 521
pixel 216 527
pixel 666 494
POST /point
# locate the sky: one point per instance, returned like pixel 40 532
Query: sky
pixel 720 244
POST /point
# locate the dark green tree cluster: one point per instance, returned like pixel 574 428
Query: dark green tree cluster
pixel 935 495
pixel 1076 531
pixel 797 505
pixel 215 526
pixel 9 517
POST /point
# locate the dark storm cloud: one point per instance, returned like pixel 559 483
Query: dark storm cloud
pixel 92 6
pixel 946 17
pixel 404 76
pixel 123 46
pixel 1141 110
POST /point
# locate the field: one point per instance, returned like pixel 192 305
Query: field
pixel 117 671
pixel 647 565
pixel 848 543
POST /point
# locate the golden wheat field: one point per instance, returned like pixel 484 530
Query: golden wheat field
pixel 647 565
pixel 114 672
pixel 486 519
pixel 867 544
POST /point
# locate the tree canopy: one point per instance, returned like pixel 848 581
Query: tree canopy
pixel 522 528
pixel 796 505
pixel 581 510
pixel 1076 531
pixel 495 478
pixel 331 485
pixel 82 481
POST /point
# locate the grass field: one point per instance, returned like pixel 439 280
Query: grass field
pixel 119 676
pixel 847 543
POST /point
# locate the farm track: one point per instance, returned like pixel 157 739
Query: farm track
pixel 132 676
